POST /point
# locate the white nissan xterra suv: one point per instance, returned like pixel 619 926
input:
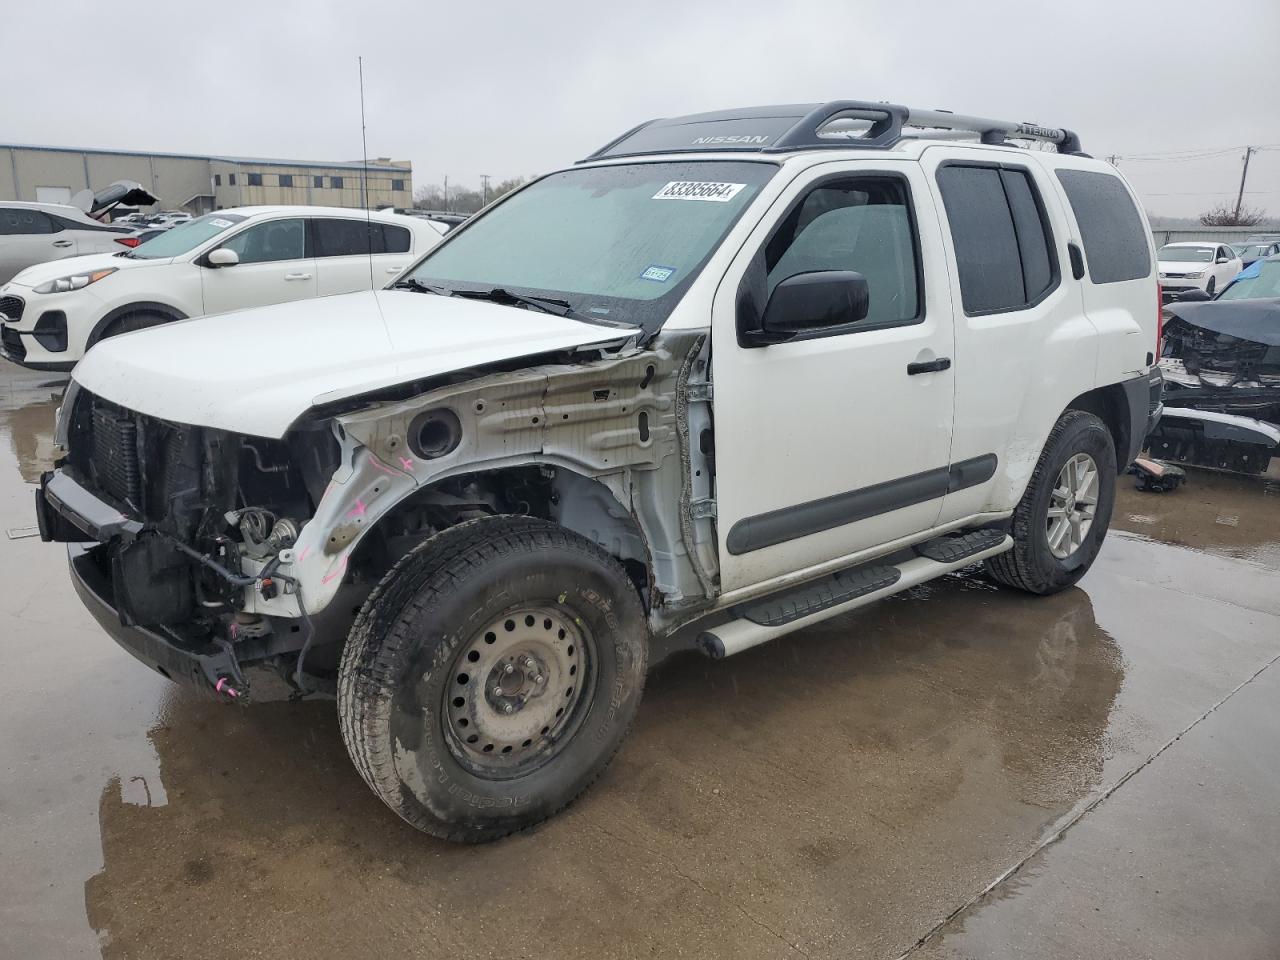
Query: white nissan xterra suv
pixel 729 376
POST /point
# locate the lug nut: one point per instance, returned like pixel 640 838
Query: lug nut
pixel 509 668
pixel 507 708
pixel 539 678
pixel 497 691
pixel 528 662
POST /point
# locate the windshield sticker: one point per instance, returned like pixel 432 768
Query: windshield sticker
pixel 699 190
pixel 219 222
pixel 658 273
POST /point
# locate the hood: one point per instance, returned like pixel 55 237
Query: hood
pixel 1182 266
pixel 1254 320
pixel 130 193
pixel 44 272
pixel 256 371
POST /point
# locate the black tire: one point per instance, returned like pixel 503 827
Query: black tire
pixel 139 320
pixel 397 684
pixel 1031 564
pixel 1208 287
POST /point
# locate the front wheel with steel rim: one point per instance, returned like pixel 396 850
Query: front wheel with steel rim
pixel 1062 518
pixel 491 676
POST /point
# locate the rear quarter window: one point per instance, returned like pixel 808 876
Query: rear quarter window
pixel 1111 229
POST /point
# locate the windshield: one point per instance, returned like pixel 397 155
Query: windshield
pixel 185 237
pixel 1259 279
pixel 1185 254
pixel 617 243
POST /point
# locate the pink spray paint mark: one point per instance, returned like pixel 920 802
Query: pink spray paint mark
pixel 406 462
pixel 358 510
pixel 335 572
pixel 379 465
pixel 230 690
pixel 302 555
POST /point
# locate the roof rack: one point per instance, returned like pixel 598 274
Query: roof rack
pixel 840 124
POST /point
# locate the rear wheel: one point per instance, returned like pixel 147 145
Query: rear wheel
pixel 491 676
pixel 1059 524
pixel 1209 287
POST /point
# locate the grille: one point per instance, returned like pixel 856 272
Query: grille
pixel 115 454
pixel 13 344
pixel 11 307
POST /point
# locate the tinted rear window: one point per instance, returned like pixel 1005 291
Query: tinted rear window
pixel 1001 241
pixel 1115 241
pixel 348 238
pixel 397 238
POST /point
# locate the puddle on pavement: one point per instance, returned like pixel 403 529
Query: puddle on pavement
pixel 27 407
pixel 1226 514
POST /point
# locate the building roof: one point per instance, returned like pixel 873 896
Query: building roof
pixel 354 165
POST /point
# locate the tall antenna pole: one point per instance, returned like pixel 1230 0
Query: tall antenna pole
pixel 1248 152
pixel 364 175
pixel 484 196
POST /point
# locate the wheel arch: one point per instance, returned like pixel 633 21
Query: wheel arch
pixel 140 306
pixel 588 506
pixel 1110 404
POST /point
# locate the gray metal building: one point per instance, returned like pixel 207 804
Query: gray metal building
pixel 201 183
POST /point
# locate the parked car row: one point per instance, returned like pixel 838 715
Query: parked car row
pixel 1206 267
pixel 251 256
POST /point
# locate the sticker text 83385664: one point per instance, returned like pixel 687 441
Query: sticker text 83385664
pixel 699 190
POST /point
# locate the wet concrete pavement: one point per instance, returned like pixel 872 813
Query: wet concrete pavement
pixel 850 791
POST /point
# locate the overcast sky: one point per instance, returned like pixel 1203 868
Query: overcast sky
pixel 519 88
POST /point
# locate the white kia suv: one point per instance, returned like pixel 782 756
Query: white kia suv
pixel 243 257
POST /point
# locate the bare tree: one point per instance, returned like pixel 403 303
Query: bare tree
pixel 1227 215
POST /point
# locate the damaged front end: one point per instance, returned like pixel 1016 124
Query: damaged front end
pixel 204 551
pixel 1221 366
pixel 170 521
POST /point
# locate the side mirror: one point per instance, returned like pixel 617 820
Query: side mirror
pixel 813 302
pixel 1223 260
pixel 223 257
pixel 1194 295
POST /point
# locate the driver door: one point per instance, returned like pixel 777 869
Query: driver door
pixel 836 441
pixel 274 267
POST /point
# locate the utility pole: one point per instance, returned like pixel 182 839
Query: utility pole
pixel 484 186
pixel 1248 152
pixel 446 193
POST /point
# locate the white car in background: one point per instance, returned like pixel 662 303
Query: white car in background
pixel 32 233
pixel 1194 264
pixel 243 257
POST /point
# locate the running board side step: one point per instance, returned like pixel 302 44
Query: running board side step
pixel 844 591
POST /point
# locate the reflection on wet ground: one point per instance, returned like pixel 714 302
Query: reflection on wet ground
pixel 1227 514
pixel 837 793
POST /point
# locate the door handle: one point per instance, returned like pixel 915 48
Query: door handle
pixel 297 276
pixel 394 269
pixel 63 243
pixel 1077 261
pixel 929 366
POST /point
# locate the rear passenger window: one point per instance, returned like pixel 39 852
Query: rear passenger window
pixel 15 220
pixel 862 225
pixel 348 238
pixel 1115 241
pixel 397 238
pixel 1004 249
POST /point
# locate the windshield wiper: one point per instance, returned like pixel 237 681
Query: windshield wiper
pixel 552 305
pixel 413 283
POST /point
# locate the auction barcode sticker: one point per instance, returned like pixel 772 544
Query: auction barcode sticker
pixel 699 190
